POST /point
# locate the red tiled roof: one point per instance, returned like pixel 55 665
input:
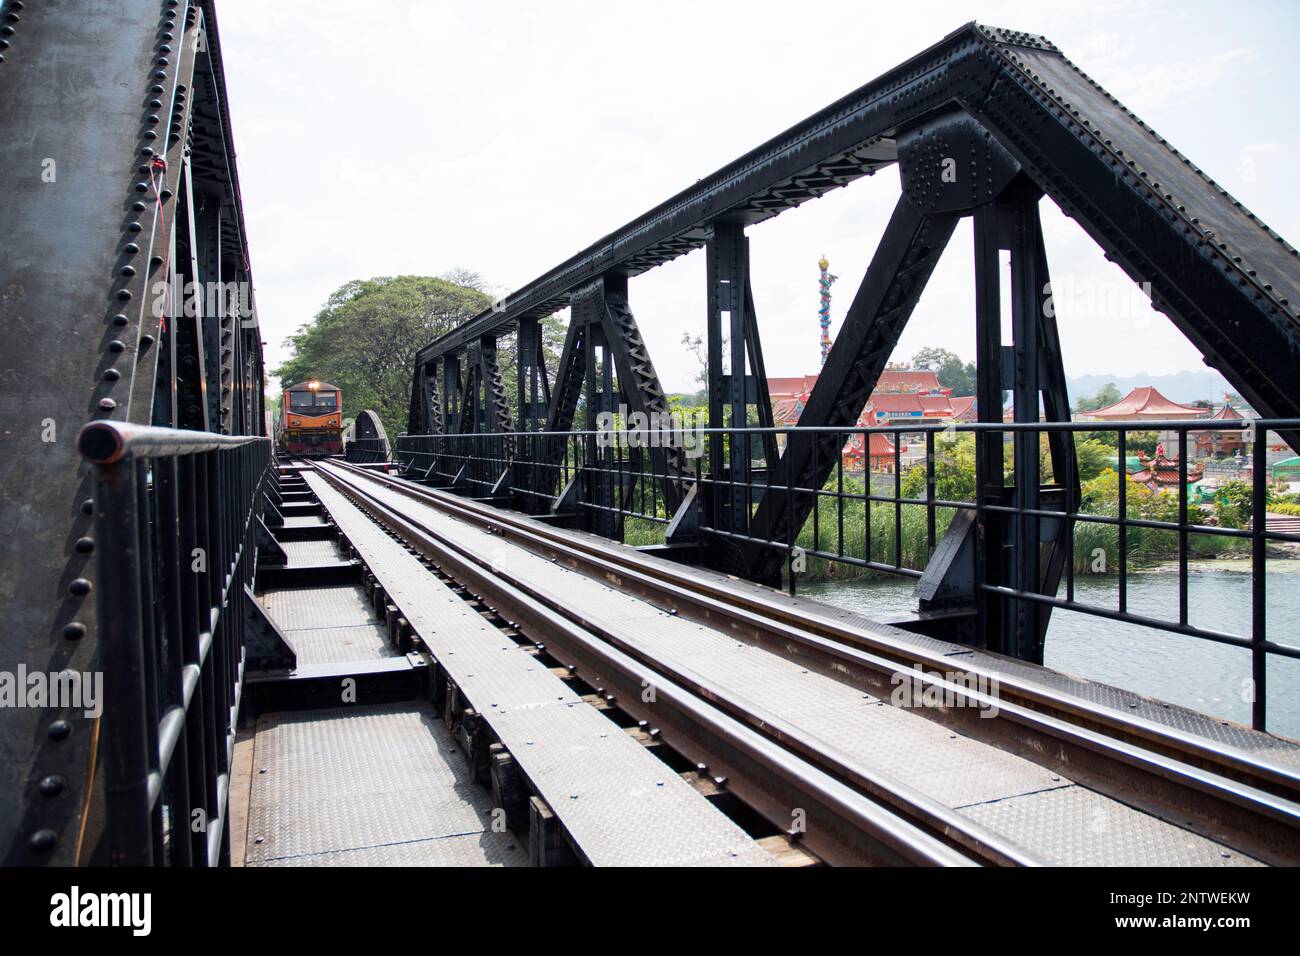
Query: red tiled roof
pixel 891 402
pixel 1162 477
pixel 891 380
pixel 790 387
pixel 1163 470
pixel 791 393
pixel 880 444
pixel 907 380
pixel 785 411
pixel 1227 413
pixel 963 407
pixel 1147 402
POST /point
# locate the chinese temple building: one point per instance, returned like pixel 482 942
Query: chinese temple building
pixel 902 396
pixel 1221 444
pixel 1146 404
pixel 1161 471
pixel 880 448
pixel 879 454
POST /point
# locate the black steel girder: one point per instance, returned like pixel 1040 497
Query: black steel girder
pixel 907 254
pixel 1229 283
pixel 91 94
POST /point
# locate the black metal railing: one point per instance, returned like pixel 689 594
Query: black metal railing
pixel 884 509
pixel 541 472
pixel 175 523
pixel 366 451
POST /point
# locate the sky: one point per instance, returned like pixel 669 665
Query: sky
pixel 417 136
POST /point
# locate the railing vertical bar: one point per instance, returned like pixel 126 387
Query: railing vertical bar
pixel 174 556
pixel 1121 443
pixel 121 611
pixel 817 502
pixel 898 499
pixel 790 529
pixel 153 623
pixel 1258 573
pixel 1183 436
pixel 930 466
pixel 839 499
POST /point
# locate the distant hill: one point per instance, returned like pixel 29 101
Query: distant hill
pixel 1182 387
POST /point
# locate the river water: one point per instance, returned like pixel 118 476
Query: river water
pixel 1204 675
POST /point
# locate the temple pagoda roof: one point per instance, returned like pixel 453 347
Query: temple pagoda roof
pixel 1147 402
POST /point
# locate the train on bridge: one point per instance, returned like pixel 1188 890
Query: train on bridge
pixel 311 420
pixel 452 649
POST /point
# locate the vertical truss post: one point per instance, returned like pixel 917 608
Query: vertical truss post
pixel 164 392
pixel 1025 308
pixel 451 392
pixel 601 463
pixel 533 392
pixel 989 465
pixel 1024 551
pixel 208 247
pixel 533 400
pixel 190 316
pixel 495 405
pixel 735 385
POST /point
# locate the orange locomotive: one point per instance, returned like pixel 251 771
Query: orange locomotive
pixel 311 414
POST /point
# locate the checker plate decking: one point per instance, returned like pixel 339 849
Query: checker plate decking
pixel 619 803
pixel 963 773
pixel 380 786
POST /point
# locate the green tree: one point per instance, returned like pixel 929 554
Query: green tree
pixel 365 337
pixel 1093 457
pixel 954 470
pixel 948 367
pixel 1233 503
pixel 1108 394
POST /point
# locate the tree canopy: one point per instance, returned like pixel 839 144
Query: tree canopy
pixel 948 367
pixel 365 337
pixel 1108 394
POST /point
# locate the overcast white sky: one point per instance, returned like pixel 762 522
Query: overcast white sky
pixel 414 136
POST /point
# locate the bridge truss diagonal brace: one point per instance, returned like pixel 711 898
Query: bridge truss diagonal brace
pixel 903 263
pixel 425 414
pixel 639 385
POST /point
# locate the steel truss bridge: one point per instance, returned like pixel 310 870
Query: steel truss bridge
pixel 468 583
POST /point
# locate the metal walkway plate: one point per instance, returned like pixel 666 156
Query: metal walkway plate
pixel 368 787
pixel 961 772
pixel 619 803
pixel 331 625
pixel 308 553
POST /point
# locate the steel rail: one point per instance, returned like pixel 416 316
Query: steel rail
pixel 1232 795
pixel 873 808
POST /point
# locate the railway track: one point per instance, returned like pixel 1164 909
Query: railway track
pixel 1239 799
